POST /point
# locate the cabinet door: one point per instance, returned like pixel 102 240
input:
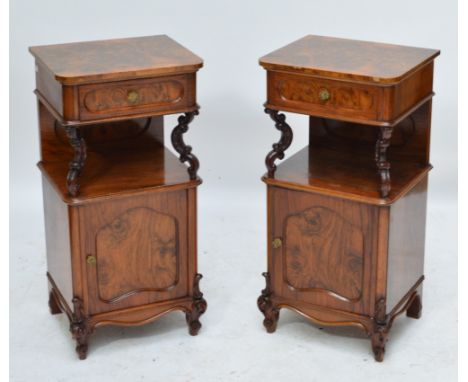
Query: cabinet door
pixel 135 250
pixel 321 249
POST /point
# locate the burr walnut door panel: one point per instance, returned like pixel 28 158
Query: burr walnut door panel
pixel 321 249
pixel 135 250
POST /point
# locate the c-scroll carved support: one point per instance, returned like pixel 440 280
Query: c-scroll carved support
pixel 383 165
pixel 266 306
pixel 284 142
pixel 380 331
pixel 76 165
pixel 185 151
pixel 199 306
pixel 382 322
pixel 79 328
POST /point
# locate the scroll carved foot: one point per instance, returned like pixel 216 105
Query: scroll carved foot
pixel 53 304
pixel 282 145
pixel 79 328
pixel 415 309
pixel 185 151
pixel 199 306
pixel 266 306
pixel 76 165
pixel 80 334
pixel 379 339
pixel 383 166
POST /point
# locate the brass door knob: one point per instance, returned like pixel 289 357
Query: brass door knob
pixel 324 95
pixel 276 243
pixel 133 96
pixel 91 260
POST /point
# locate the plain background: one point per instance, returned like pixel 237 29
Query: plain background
pixel 231 138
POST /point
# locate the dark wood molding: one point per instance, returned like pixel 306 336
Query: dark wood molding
pixel 184 150
pixel 284 142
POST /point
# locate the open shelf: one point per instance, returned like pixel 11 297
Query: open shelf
pixel 344 174
pixel 130 166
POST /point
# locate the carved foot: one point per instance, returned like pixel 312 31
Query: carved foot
pixel 185 151
pixel 199 306
pixel 267 307
pixel 80 334
pixel 76 165
pixel 379 339
pixel 415 309
pixel 79 328
pixel 282 145
pixel 53 305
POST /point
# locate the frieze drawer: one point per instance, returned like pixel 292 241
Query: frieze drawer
pixel 306 94
pixel 137 96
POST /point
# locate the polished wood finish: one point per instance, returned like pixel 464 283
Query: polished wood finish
pixel 114 79
pixel 355 60
pixel 116 59
pixel 120 208
pixel 355 81
pixel 346 214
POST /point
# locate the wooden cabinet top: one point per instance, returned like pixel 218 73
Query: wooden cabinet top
pixel 349 59
pixel 119 59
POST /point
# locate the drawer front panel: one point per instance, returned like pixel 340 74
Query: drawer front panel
pixel 321 250
pixel 138 96
pixel 311 95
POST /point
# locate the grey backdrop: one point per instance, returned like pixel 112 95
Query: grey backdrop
pixel 231 137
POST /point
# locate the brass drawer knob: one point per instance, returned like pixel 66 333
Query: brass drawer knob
pixel 276 243
pixel 133 96
pixel 324 95
pixel 91 260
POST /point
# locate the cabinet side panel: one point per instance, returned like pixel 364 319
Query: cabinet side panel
pixel 57 240
pixel 49 87
pixel 191 237
pixel 406 243
pixel 409 92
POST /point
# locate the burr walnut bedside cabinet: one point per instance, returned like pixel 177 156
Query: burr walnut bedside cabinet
pixel 120 208
pixel 346 215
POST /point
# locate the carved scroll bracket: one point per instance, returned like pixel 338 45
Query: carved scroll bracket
pixel 76 165
pixel 79 328
pixel 284 142
pixel 266 306
pixel 180 146
pixel 199 306
pixel 382 322
pixel 383 165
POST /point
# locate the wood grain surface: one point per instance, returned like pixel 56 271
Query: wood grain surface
pixel 348 59
pixel 106 60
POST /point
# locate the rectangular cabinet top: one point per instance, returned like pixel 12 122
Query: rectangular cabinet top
pixel 118 59
pixel 348 59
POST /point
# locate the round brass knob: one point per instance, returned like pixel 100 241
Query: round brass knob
pixel 276 243
pixel 133 96
pixel 91 260
pixel 324 95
